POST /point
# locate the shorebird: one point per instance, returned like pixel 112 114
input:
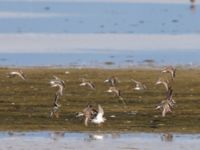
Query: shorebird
pixel 169 97
pixel 19 73
pixel 163 81
pixel 57 82
pixel 139 85
pixel 113 80
pixel 89 113
pixel 99 117
pixel 60 88
pixel 88 84
pixel 165 107
pixel 54 111
pixel 116 92
pixel 171 70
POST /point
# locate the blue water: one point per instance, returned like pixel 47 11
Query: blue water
pixel 99 17
pixel 106 60
pixel 102 17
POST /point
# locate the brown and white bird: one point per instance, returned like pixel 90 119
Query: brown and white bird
pixel 87 83
pixel 171 70
pixel 60 88
pixel 164 107
pixel 116 92
pixel 169 97
pixel 139 85
pixel 163 81
pixel 19 73
pixel 57 82
pixel 113 80
pixel 55 109
pixel 89 113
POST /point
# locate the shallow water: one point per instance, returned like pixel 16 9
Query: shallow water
pixel 44 19
pixel 97 141
pixel 104 60
pixel 98 17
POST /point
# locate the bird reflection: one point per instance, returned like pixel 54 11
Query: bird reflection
pixel 56 135
pixel 167 137
pixel 92 137
pixel 193 6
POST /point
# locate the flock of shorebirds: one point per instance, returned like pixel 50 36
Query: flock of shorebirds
pixel 96 116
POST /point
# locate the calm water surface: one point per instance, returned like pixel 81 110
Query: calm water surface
pixel 106 60
pixel 97 141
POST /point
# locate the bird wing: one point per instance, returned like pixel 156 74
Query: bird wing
pixel 55 77
pixel 86 121
pixel 165 85
pixel 91 85
pixel 137 82
pixel 20 75
pixel 100 112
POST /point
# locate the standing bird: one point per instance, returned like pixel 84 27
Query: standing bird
pixel 171 70
pixel 116 92
pixel 87 84
pixel 19 73
pixel 99 117
pixel 139 85
pixel 113 80
pixel 163 81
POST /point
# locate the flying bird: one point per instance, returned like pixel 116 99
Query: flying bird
pixel 57 82
pixel 113 80
pixel 165 107
pixel 99 119
pixel 116 92
pixel 163 81
pixel 171 70
pixel 19 73
pixel 139 85
pixel 89 113
pixel 87 83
